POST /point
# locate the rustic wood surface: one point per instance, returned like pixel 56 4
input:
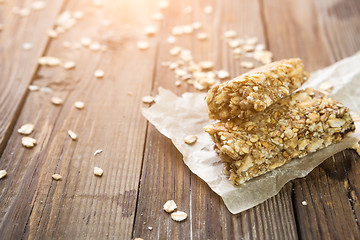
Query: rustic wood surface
pixel 142 168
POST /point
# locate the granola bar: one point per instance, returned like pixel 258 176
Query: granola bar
pixel 293 127
pixel 255 90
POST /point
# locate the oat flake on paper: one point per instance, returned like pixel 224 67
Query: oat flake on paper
pixel 178 117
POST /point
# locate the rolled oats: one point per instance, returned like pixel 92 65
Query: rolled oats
pixel 26 129
pixel 3 174
pixel 57 177
pixel 190 139
pixel 170 206
pixel 98 171
pixel 28 142
pixel 178 216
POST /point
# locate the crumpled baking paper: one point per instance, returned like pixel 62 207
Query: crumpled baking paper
pixel 178 117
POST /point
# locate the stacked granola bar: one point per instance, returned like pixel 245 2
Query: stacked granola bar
pixel 254 142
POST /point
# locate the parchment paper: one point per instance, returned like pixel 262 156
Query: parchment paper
pixel 178 117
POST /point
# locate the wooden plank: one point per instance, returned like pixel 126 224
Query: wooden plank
pixel 83 206
pixel 329 213
pixel 164 174
pixel 18 65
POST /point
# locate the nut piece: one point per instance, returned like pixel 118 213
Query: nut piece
pixel 170 206
pixel 72 135
pixel 148 99
pixel 28 142
pixel 26 129
pixel 79 105
pixel 190 139
pixel 56 177
pixel 3 173
pixel 98 171
pixel 56 101
pixel 178 216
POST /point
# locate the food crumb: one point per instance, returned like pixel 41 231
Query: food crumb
pixel 143 45
pixel 98 152
pixel 150 228
pixel 178 216
pixel 26 129
pixel 3 174
pixel 28 142
pixel 148 99
pixel 304 203
pixel 56 177
pixel 170 206
pixel 79 104
pixel 98 171
pixel 56 101
pixel 72 135
pixel 99 73
pixel 190 139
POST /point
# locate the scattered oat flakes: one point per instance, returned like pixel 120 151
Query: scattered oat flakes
pixel 148 99
pixel 171 39
pixel 78 14
pixel 56 177
pixel 163 4
pixel 158 16
pixel 245 64
pixel 206 65
pixel 202 36
pixel 177 83
pixel 251 41
pixel 178 216
pixel 56 100
pixel 188 9
pixel 85 41
pixel 263 56
pixel 79 104
pixel 150 31
pixel 52 33
pixel 248 48
pixel 196 25
pixel 304 203
pixel 150 228
pixel 49 61
pixel 95 46
pixel 26 129
pixel 175 51
pixel 28 142
pixel 190 139
pixel 208 9
pixel 98 152
pixel 223 74
pixel 143 45
pixel 66 44
pixel 230 34
pixel 72 135
pixel 187 29
pixel 33 88
pixel 98 171
pixel 24 12
pixel 69 65
pixel 235 43
pixel 38 5
pixel 3 173
pixel 27 46
pixel 99 73
pixel 237 51
pixel 98 3
pixel 177 30
pixel 170 206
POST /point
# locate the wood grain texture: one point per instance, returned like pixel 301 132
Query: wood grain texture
pixel 330 210
pixel 82 206
pixel 18 65
pixel 164 174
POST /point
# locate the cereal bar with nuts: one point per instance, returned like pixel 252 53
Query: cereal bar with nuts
pixel 256 90
pixel 299 124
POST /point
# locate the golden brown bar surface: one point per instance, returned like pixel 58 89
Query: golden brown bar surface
pixel 293 127
pixel 256 90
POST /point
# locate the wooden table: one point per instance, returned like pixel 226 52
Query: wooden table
pixel 142 169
